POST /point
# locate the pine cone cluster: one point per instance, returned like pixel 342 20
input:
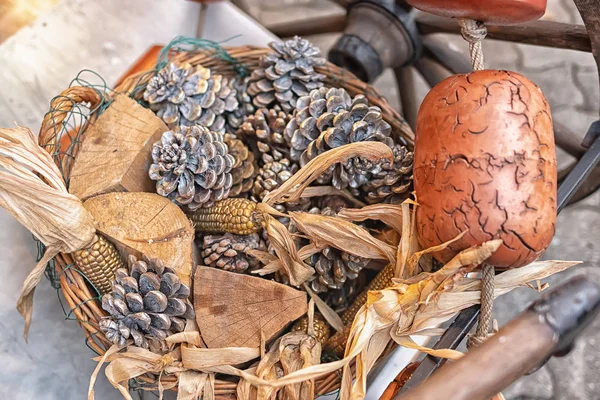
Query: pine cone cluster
pixel 192 166
pixel 182 94
pixel 271 176
pixel 330 118
pixel 277 120
pixel 286 74
pixel 229 252
pixel 148 303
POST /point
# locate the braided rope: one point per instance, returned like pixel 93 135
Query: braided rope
pixel 474 32
pixel 487 305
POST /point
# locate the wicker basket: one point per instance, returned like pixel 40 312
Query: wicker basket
pixel 81 298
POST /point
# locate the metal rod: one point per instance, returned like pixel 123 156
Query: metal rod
pixel 578 175
pixel 539 33
pixel 448 56
pixel 432 71
pixel 567 140
pixel 406 90
pixel 451 338
pixel 520 346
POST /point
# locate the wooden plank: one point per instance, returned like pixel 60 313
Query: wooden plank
pixel 115 151
pixel 539 33
pixel 146 224
pixel 234 310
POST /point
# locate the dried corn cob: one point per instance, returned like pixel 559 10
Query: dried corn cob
pixel 230 215
pixel 99 263
pixel 322 331
pixel 337 343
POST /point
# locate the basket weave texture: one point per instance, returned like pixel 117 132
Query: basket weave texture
pixel 82 299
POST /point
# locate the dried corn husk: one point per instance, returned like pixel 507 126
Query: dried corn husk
pixel 33 191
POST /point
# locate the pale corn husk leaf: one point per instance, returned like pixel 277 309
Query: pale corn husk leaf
pixel 389 214
pixel 273 264
pixel 291 352
pixel 191 385
pixel 408 342
pixel 189 337
pixel 33 191
pixel 408 242
pixel 206 358
pixel 344 235
pixel 328 313
pixel 284 246
pixel 413 261
pixel 292 189
pixel 389 307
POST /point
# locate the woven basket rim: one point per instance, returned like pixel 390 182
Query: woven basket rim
pixel 84 304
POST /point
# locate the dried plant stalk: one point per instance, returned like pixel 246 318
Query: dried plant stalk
pixel 33 191
pixel 292 189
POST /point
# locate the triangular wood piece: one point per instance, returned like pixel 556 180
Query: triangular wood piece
pixel 146 224
pixel 233 309
pixel 115 152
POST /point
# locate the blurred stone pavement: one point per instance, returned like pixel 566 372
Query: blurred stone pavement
pixel 570 81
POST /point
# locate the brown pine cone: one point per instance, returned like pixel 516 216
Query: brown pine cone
pixel 228 251
pixel 265 128
pixel 271 176
pixel 235 118
pixel 333 266
pixel 393 181
pixel 243 170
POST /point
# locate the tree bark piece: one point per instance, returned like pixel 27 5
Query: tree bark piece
pixel 234 310
pixel 146 224
pixel 115 151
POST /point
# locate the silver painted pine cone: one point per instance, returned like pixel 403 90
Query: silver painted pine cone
pixel 235 118
pixel 286 74
pixel 148 303
pixel 192 166
pixel 182 94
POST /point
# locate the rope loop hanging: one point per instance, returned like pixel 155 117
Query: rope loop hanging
pixel 474 32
